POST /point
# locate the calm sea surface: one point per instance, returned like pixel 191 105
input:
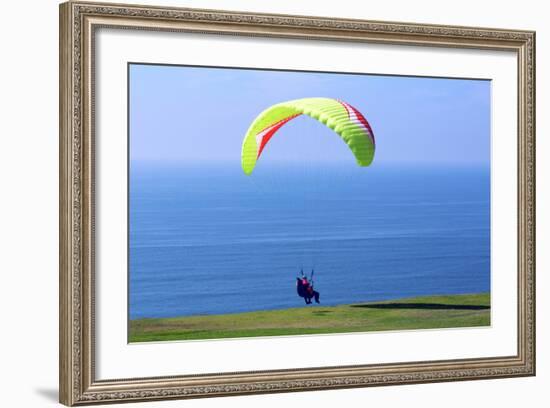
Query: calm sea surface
pixel 210 240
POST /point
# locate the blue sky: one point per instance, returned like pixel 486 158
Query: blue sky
pixel 191 114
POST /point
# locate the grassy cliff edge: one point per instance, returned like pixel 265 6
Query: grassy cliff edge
pixel 427 312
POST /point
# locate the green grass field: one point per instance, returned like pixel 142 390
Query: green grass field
pixel 430 312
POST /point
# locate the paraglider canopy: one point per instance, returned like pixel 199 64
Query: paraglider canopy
pixel 346 121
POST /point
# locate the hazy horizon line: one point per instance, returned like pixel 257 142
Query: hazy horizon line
pixel 340 163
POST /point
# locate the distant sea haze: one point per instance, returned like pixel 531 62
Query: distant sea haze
pixel 206 239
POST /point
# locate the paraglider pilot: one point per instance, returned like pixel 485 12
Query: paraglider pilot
pixel 305 289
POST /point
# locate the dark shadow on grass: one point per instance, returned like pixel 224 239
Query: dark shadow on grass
pixel 322 312
pixel 423 306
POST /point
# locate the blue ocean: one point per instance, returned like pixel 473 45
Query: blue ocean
pixel 206 239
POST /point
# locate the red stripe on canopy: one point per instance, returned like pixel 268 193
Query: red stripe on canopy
pixel 270 131
pixel 364 123
pixel 360 117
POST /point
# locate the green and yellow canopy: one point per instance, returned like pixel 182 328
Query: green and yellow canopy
pixel 346 121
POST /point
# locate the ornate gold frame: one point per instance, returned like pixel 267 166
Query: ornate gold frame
pixel 78 22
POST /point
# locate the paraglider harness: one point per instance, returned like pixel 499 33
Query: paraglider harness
pixel 305 289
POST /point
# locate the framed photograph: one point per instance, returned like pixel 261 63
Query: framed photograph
pixel 255 203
